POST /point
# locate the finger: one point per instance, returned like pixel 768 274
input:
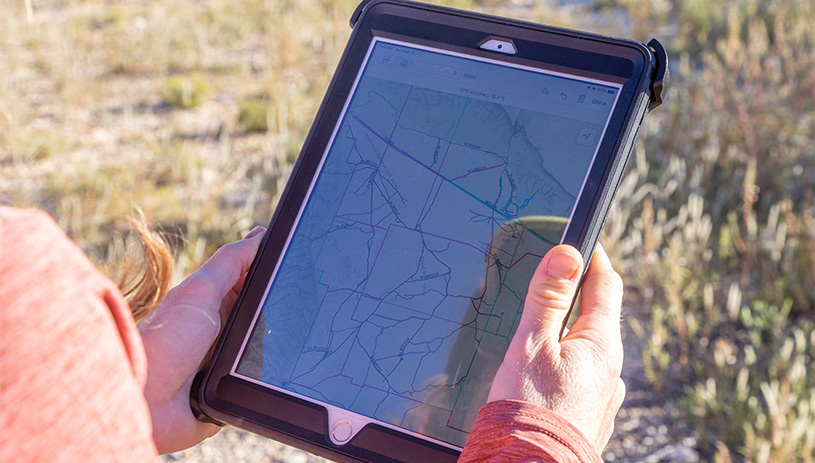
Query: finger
pixel 236 289
pixel 550 296
pixel 225 268
pixel 254 232
pixel 179 333
pixel 601 303
pixel 228 302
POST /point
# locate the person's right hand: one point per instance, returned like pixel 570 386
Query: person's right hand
pixel 578 376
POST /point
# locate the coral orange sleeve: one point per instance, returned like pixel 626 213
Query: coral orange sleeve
pixel 72 365
pixel 519 432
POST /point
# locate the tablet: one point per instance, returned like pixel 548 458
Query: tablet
pixel 451 152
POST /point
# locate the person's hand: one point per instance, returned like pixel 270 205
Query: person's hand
pixel 578 376
pixel 179 334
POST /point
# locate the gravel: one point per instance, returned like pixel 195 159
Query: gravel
pixel 237 446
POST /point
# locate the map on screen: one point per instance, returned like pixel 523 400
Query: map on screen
pixel 445 182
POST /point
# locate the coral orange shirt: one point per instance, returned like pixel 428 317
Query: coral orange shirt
pixel 511 431
pixel 72 365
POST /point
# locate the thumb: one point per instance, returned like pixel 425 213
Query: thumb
pixel 549 298
pixel 223 270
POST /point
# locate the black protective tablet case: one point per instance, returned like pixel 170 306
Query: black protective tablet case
pixel 221 397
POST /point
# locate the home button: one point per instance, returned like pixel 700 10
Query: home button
pixel 342 431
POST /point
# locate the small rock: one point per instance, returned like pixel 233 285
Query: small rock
pixel 683 454
pixel 296 456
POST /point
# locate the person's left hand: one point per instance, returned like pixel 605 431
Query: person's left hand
pixel 180 332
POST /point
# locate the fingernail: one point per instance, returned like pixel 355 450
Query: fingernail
pixel 562 265
pixel 255 232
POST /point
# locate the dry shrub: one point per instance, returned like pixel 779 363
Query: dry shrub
pixel 715 229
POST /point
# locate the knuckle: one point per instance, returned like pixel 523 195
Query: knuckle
pixel 609 361
pixel 199 285
pixel 551 295
pixel 616 282
pixel 613 283
pixel 610 282
pixel 225 250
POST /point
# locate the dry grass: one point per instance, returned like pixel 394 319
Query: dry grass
pixel 111 106
pixel 714 228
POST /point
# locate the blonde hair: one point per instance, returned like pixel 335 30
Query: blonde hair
pixel 145 277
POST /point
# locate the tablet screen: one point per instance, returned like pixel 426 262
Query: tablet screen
pixel 445 181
